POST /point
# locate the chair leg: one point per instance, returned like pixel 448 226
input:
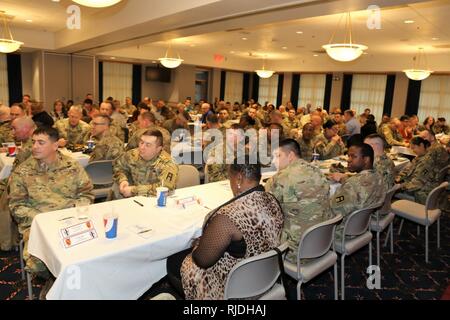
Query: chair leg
pixel 22 265
pixel 336 293
pixel 30 286
pixel 418 230
pixel 401 225
pixel 343 277
pixel 378 249
pixel 299 290
pixel 392 237
pixel 426 244
pixel 438 234
pixel 370 253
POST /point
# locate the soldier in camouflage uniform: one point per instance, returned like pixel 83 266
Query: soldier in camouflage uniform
pixel 147 121
pixel 302 191
pixel 307 142
pixel 107 109
pixel 23 131
pixel 391 134
pixel 291 122
pixel 382 163
pixel 47 181
pixel 360 191
pixel 129 107
pixel 140 171
pixel 107 146
pixel 73 131
pixel 5 125
pixel 419 178
pixel 437 152
pixel 329 144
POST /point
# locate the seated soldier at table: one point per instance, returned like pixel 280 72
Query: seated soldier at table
pixel 360 191
pixel 138 172
pixel 437 151
pixel 107 108
pixel 382 163
pixel 45 182
pixel 307 142
pixel 329 144
pixel 147 121
pixel 23 129
pixel 219 154
pixel 302 191
pixel 390 132
pixel 107 146
pixel 5 125
pixel 419 178
pixel 73 131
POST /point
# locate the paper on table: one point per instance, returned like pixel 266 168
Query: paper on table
pixel 143 230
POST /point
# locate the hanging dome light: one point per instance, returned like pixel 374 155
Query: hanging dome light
pixel 417 75
pixel 97 3
pixel 170 62
pixel 7 43
pixel 420 70
pixel 346 51
pixel 263 73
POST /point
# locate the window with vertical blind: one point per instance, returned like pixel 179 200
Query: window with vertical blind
pixel 311 90
pixel 268 89
pixel 368 91
pixel 233 86
pixel 4 92
pixel 434 98
pixel 117 80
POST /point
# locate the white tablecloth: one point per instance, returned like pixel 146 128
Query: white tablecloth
pixel 6 162
pixel 128 266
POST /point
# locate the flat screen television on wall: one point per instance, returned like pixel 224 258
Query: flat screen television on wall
pixel 157 73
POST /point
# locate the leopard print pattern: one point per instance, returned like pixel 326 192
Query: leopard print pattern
pixel 259 217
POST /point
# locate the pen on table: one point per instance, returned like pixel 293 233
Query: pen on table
pixel 138 203
pixel 65 218
pixel 144 231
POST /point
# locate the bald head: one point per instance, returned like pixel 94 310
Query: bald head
pixel 316 120
pixel 23 128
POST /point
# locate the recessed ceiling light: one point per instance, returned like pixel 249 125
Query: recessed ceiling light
pixel 315 55
pixel 113 58
pixel 244 38
pixel 299 32
pixel 231 51
pixel 153 61
pixel 408 21
pixel 29 20
pixel 284 48
pixel 434 39
pixel 55 0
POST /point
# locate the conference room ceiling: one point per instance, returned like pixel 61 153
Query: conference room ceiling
pixel 233 35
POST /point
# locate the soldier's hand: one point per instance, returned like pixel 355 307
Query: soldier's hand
pixel 127 192
pixel 337 139
pixel 62 142
pixel 123 185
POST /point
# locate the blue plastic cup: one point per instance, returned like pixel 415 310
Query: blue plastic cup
pixel 161 196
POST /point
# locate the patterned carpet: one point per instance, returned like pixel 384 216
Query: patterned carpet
pixel 404 274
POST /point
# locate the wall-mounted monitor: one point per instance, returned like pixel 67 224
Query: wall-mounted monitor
pixel 157 73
